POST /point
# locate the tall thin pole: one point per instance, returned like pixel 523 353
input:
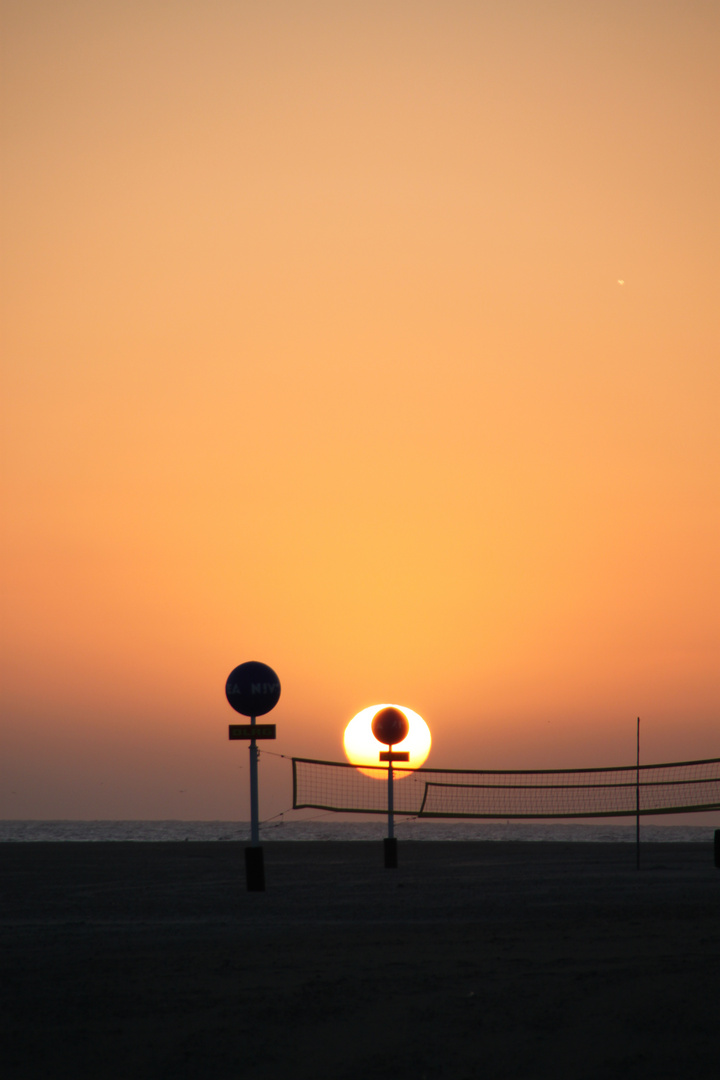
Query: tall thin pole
pixel 637 800
pixel 254 815
pixel 391 823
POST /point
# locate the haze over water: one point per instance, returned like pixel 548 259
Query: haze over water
pixel 328 829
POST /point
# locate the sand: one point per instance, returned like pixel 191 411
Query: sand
pixel 470 960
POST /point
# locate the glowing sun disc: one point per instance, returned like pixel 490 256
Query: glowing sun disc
pixel 362 748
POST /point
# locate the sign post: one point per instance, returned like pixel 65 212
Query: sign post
pixel 254 801
pixel 253 689
pixel 390 726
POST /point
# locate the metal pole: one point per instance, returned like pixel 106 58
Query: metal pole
pixel 390 799
pixel 637 800
pixel 390 843
pixel 254 815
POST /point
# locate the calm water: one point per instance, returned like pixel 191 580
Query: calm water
pixel 324 829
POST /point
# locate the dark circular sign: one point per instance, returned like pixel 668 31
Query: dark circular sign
pixel 252 689
pixel 390 726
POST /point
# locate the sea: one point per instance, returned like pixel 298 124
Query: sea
pixel 321 829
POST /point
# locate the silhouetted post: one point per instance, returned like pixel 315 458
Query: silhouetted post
pixel 254 803
pixel 637 800
pixel 717 848
pixel 391 808
pixel 254 864
pixel 390 726
pixel 254 859
pixel 253 689
pixel 390 844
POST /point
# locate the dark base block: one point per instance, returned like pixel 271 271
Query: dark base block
pixel 390 847
pixel 254 869
pixel 717 848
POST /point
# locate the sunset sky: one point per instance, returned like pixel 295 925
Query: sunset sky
pixel 374 340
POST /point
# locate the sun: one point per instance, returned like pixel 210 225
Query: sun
pixel 362 748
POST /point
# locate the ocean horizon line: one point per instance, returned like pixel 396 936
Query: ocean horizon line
pixel 321 829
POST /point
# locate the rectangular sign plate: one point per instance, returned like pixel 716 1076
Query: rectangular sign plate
pixel 394 755
pixel 247 731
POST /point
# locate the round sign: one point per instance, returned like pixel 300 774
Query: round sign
pixel 390 726
pixel 252 689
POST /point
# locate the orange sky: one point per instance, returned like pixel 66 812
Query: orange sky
pixel 315 352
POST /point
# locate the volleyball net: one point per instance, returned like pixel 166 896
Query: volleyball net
pixel 619 791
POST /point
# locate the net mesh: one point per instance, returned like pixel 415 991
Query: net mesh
pixel 675 787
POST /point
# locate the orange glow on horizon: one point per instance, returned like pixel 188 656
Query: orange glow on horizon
pixel 374 341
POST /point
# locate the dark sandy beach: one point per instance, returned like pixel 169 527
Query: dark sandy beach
pixel 471 960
